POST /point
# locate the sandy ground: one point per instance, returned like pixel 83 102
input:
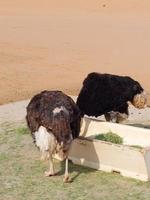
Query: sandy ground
pixel 54 44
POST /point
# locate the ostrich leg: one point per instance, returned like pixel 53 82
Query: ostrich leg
pixel 51 167
pixel 66 176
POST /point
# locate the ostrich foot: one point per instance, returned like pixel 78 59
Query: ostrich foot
pixel 49 173
pixel 66 179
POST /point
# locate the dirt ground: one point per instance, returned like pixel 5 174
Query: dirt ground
pixel 54 44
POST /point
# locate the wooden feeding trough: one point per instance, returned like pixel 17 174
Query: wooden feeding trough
pixel 126 159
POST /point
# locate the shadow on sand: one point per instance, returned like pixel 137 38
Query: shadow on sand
pixel 77 170
pixel 146 126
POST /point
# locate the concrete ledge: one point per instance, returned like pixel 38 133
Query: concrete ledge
pixel 123 159
pixel 17 111
pixel 130 134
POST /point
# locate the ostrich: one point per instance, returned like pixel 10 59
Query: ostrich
pixel 109 95
pixel 54 121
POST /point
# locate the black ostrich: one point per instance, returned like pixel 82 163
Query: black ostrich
pixel 109 95
pixel 54 121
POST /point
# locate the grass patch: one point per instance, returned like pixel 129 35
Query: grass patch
pixel 22 130
pixel 3 156
pixel 22 175
pixel 110 137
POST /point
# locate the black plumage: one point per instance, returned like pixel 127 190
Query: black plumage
pixel 103 93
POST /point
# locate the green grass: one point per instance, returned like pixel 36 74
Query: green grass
pixel 21 175
pixel 22 130
pixel 110 137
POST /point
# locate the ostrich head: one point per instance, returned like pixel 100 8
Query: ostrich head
pixel 62 131
pixel 139 99
pixel 115 117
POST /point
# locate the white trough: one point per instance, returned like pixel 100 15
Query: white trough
pixel 127 160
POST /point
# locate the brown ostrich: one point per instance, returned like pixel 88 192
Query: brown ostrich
pixel 54 121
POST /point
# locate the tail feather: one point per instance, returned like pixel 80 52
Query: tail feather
pixel 45 141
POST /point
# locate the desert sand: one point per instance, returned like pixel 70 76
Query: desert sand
pixel 54 44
